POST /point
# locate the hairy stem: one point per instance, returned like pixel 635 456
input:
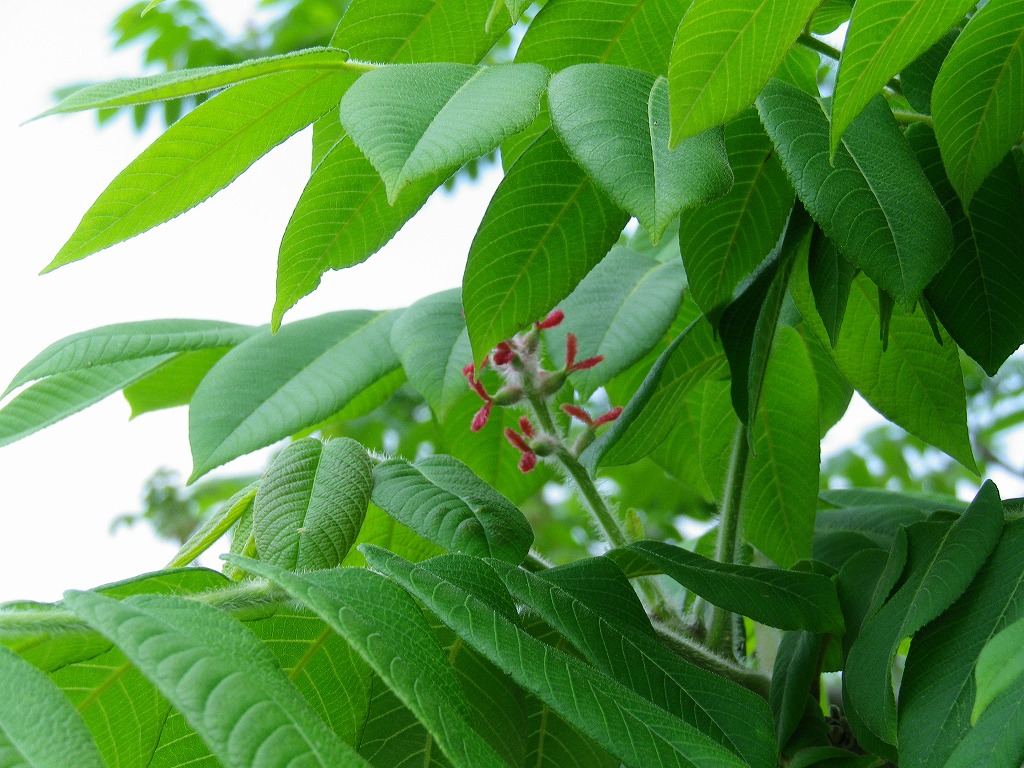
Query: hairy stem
pixel 610 528
pixel 720 637
pixel 702 657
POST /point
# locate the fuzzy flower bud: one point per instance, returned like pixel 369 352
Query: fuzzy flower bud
pixel 480 419
pixel 503 354
pixel 508 395
pixel 528 460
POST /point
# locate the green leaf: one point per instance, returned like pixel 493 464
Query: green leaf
pixel 995 741
pixel 311 504
pixel 939 686
pixel 916 384
pixel 128 341
pixel 723 54
pixel 440 498
pixel 834 391
pixel 831 275
pixel 831 15
pixel 432 342
pixel 48 401
pixel 918 78
pixel 577 600
pixel 975 295
pixel 795 671
pixel 614 122
pixel 778 598
pixel 184 82
pixel 330 227
pixel 341 219
pixel 749 323
pixel 382 530
pixel 1000 665
pixel 172 383
pixel 421 121
pixel 832 757
pixel 39 724
pixel 871 198
pixel 977 104
pixel 942 561
pixel 780 490
pixel 272 386
pixel 201 154
pixel 553 743
pixel 546 227
pixel 884 36
pixel 215 526
pixel 627 33
pixel 619 311
pixel 388 629
pixel 724 241
pixel 647 419
pixel 219 676
pixel 417 31
pixel 631 728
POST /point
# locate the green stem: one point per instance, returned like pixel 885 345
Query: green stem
pixel 831 52
pixel 705 659
pixel 610 528
pixel 720 637
pixel 909 118
pixel 819 46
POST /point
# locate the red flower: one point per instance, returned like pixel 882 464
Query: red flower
pixel 528 460
pixel 551 320
pixel 571 348
pixel 578 413
pixel 503 354
pixel 480 419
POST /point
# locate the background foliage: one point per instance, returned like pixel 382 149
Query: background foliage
pixel 476 547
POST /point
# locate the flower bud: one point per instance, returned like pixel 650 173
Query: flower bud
pixel 508 395
pixel 552 383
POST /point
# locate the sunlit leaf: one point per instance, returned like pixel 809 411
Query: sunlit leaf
pixel 427 120
pixel 884 36
pixel 977 103
pixel 546 227
pixel 275 385
pixel 723 54
pixel 614 122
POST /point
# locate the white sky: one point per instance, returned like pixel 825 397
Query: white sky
pixel 60 488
